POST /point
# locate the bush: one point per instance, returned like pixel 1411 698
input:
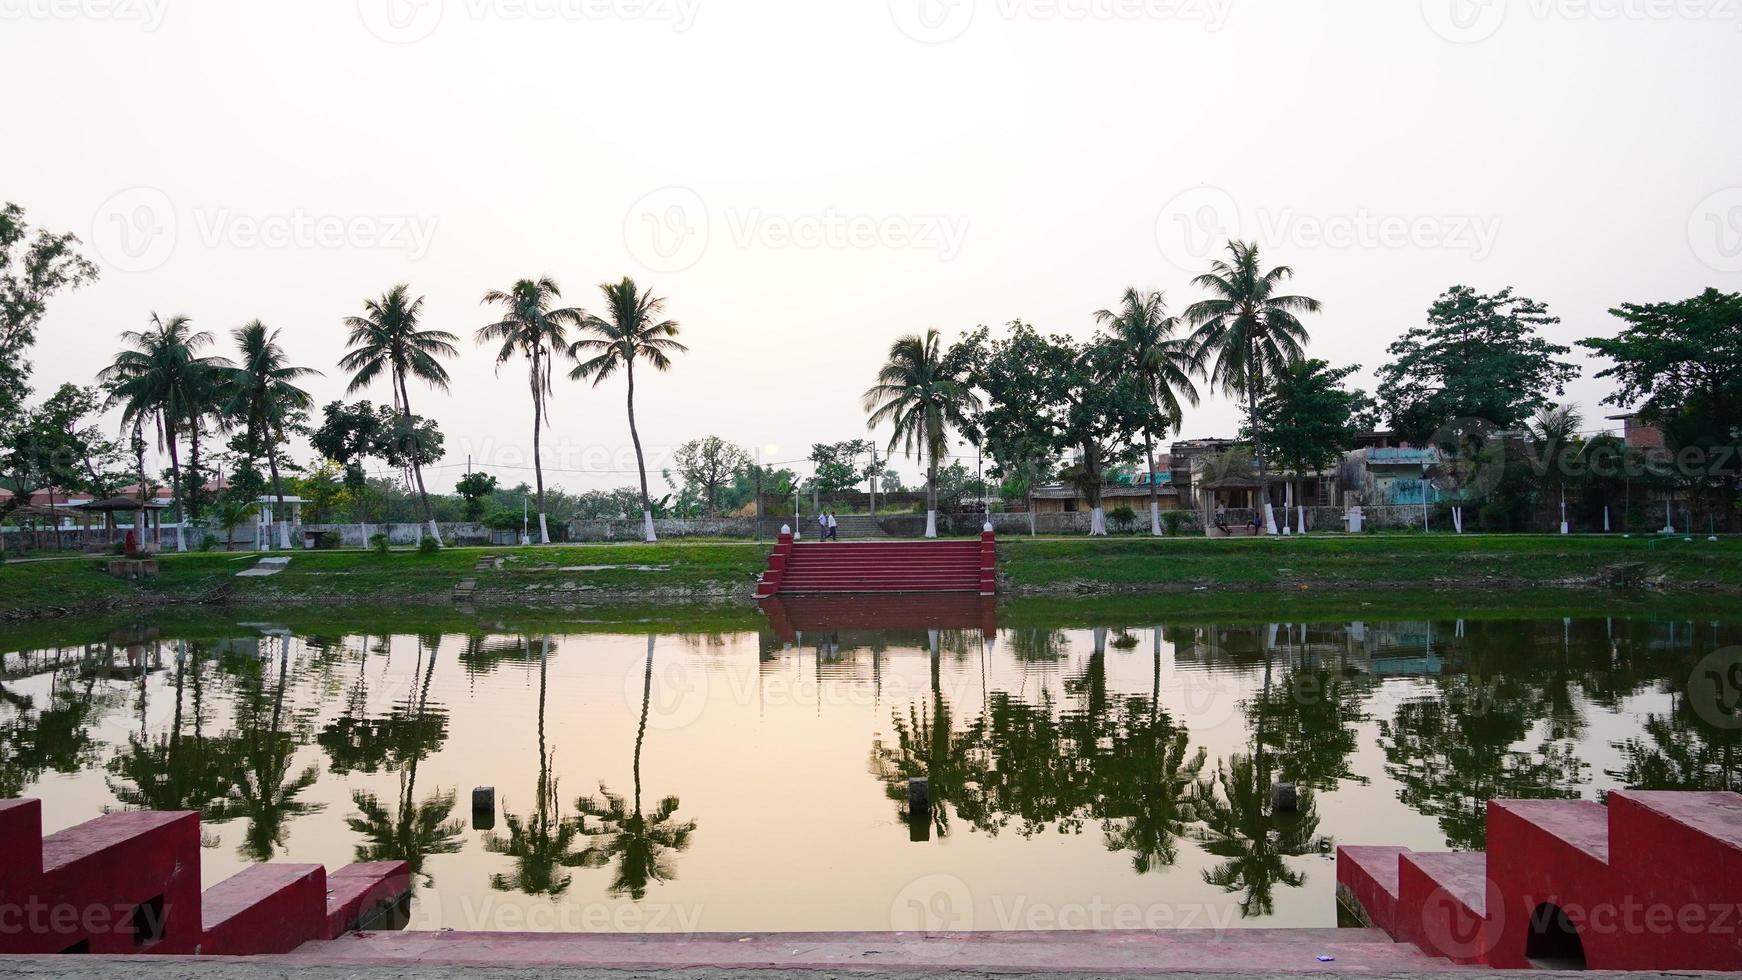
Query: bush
pixel 1173 521
pixel 378 543
pixel 427 545
pixel 1123 518
pixel 210 543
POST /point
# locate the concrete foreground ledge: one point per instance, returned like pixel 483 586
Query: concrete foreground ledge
pixel 176 968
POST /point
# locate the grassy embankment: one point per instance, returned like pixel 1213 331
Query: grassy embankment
pixel 1177 573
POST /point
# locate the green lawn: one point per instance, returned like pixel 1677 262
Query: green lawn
pixel 1365 561
pixel 1238 571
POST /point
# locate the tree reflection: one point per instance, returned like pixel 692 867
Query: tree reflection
pixel 179 769
pixel 265 785
pixel 414 829
pixel 541 843
pixel 1254 843
pixel 53 739
pixel 637 843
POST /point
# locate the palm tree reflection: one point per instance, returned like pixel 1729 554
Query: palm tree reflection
pixel 640 843
pixel 541 843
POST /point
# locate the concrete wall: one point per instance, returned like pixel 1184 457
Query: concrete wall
pixel 630 529
pixel 406 535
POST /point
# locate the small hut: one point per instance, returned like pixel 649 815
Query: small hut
pixel 147 516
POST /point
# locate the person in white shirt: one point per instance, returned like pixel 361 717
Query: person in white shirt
pixel 834 528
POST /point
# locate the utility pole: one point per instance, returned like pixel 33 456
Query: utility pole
pixel 758 494
pixel 874 472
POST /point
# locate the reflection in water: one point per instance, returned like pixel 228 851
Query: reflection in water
pixel 542 843
pixel 639 845
pixel 414 829
pixel 1072 763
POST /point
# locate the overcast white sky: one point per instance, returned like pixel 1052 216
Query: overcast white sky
pixel 805 180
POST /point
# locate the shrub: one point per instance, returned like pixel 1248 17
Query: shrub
pixel 378 543
pixel 210 543
pixel 427 545
pixel 1123 518
pixel 1174 521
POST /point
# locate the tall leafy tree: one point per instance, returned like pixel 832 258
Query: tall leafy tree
pixel 266 402
pixel 1679 365
pixel 632 328
pixel 921 394
pixel 533 327
pixel 1166 364
pixel 1310 418
pixel 162 378
pixel 708 467
pixel 1017 424
pixel 1478 357
pixel 33 268
pixel 389 339
pixel 1249 330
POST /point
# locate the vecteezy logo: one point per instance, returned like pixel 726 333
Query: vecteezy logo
pixel 932 21
pixel 1715 688
pixel 1464 21
pixel 1197 222
pixel 667 229
pixel 1453 933
pixel 400 21
pixel 934 903
pixel 1715 230
pixel 135 229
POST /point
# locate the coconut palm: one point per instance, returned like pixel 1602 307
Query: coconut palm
pixel 1166 364
pixel 162 379
pixel 921 394
pixel 639 842
pixel 534 328
pixel 631 329
pixel 1250 331
pixel 389 338
pixel 264 401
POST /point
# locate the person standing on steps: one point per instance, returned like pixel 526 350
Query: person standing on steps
pixel 834 527
pixel 822 525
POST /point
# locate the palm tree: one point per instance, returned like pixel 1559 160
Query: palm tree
pixel 639 842
pixel 531 328
pixel 265 400
pixel 162 378
pixel 388 338
pixel 921 394
pixel 1250 331
pixel 1165 363
pixel 630 329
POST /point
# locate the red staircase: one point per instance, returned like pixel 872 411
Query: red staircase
pixel 1653 881
pixel 130 883
pixel 853 567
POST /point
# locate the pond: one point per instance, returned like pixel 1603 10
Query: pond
pixel 755 776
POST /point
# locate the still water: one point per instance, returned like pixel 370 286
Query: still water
pixel 756 779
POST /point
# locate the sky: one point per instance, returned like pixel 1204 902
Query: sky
pixel 804 181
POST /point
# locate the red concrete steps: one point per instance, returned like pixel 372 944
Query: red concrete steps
pixel 1442 904
pixel 266 908
pixel 1651 881
pixel 880 567
pixel 129 883
pixel 122 883
pixel 362 896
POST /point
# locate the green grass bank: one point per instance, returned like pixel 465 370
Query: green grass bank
pixel 1236 573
